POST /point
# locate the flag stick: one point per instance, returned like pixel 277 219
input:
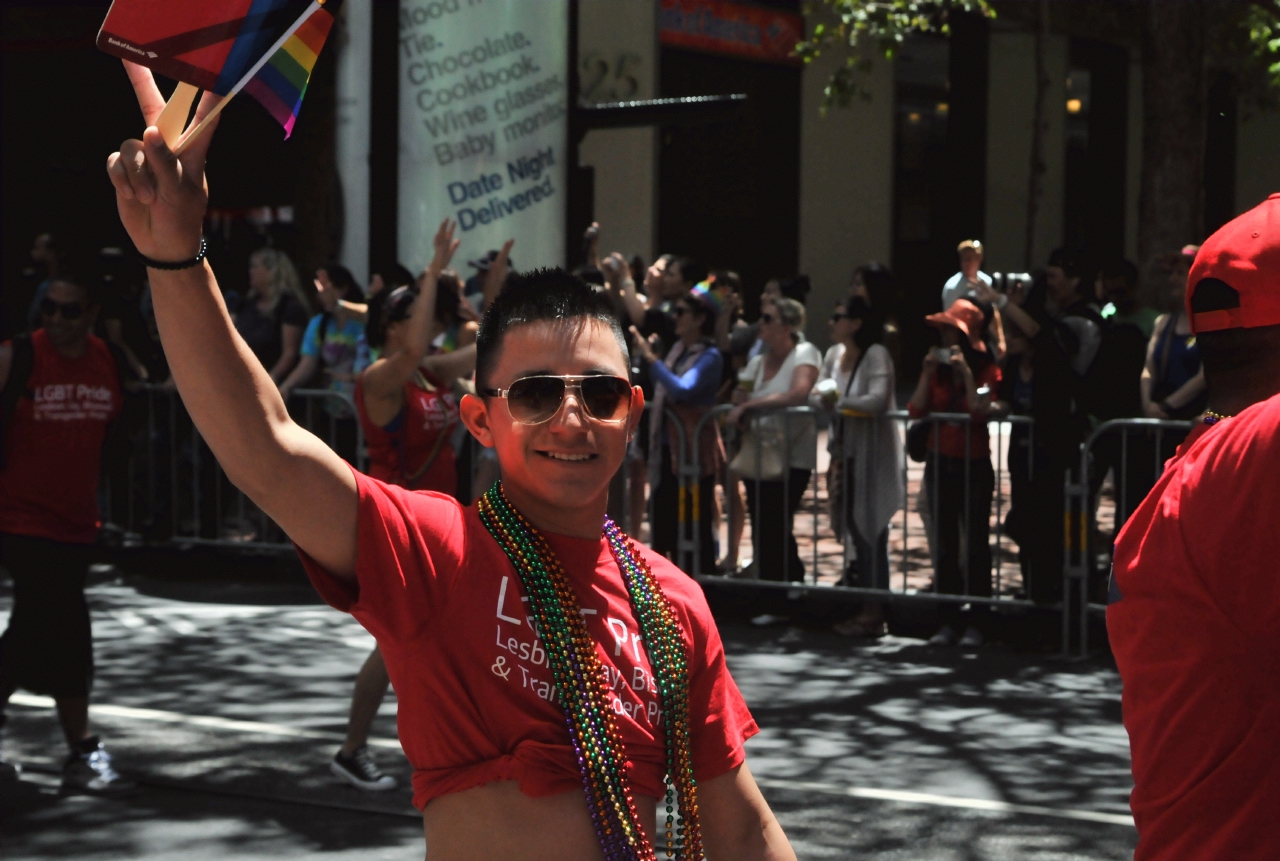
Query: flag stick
pixel 262 61
pixel 174 116
pixel 192 133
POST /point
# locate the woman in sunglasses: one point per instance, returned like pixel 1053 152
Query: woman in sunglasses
pixel 686 383
pixel 520 747
pixel 781 376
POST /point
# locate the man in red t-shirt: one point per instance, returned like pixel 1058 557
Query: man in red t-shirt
pixel 1194 614
pixel 62 389
pixel 501 762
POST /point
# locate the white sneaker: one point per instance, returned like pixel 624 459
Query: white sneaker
pixel 93 773
pixel 360 771
pixel 972 638
pixel 945 637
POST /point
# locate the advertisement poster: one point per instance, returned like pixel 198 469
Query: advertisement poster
pixel 483 119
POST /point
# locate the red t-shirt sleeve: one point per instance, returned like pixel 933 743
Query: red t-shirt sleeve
pixel 408 548
pixel 719 720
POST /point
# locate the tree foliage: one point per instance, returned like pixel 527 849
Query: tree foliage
pixel 862 29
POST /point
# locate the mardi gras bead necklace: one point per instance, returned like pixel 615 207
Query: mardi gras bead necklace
pixel 582 688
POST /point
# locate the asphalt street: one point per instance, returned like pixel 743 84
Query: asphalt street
pixel 226 702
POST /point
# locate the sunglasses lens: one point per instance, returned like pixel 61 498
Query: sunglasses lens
pixel 71 311
pixel 607 399
pixel 535 399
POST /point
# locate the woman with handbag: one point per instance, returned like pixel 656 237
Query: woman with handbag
pixel 779 451
pixel 686 383
pixel 959 377
pixel 865 481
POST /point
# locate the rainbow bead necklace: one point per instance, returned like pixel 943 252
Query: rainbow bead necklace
pixel 582 687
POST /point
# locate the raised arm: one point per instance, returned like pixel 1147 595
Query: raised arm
pixel 383 381
pixel 497 274
pixel 293 476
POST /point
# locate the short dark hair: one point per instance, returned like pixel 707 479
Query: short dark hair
pixel 345 283
pixel 395 275
pixel 691 271
pixel 796 288
pixel 1119 267
pixel 543 294
pixel 77 268
pixel 1066 260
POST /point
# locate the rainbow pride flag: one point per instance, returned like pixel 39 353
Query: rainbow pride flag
pixel 281 82
pixel 264 47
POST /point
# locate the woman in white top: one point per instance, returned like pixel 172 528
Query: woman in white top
pixel 866 447
pixel 781 376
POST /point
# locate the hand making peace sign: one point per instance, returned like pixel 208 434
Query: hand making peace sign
pixel 161 196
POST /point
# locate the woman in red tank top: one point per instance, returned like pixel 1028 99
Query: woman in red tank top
pixel 407 415
pixel 406 411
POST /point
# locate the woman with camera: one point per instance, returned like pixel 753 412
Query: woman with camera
pixel 959 377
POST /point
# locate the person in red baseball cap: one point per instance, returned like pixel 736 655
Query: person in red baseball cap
pixel 1194 611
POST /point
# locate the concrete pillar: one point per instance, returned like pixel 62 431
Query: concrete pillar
pixel 1010 119
pixel 1257 158
pixel 355 45
pixel 846 185
pixel 618 61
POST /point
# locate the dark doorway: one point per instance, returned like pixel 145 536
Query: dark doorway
pixel 1097 149
pixel 729 192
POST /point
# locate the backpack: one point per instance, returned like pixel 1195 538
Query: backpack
pixel 1111 387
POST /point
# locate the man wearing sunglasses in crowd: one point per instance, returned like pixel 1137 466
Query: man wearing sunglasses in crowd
pixel 553 738
pixel 61 391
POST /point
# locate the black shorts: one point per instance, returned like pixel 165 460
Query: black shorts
pixel 47 648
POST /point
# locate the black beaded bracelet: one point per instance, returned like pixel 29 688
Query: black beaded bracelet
pixel 182 264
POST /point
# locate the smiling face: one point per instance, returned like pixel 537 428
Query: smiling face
pixel 556 473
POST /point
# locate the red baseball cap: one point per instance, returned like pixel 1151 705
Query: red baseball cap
pixel 1244 254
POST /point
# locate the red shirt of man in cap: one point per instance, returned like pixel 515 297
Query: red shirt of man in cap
pixel 1194 615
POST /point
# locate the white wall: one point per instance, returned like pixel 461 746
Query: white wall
pixel 1257 160
pixel 620 39
pixel 1010 120
pixel 355 43
pixel 846 186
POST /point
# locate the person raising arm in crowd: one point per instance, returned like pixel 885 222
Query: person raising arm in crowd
pixel 686 382
pixel 490 729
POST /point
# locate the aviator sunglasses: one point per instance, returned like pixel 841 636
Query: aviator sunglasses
pixel 69 310
pixel 534 400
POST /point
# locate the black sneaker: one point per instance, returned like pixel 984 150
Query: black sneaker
pixel 89 769
pixel 360 771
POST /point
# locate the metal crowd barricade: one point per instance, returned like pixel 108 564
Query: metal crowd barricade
pixel 900 525
pixel 1082 494
pixel 176 490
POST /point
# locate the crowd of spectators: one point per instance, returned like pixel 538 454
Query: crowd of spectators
pixel 1070 346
